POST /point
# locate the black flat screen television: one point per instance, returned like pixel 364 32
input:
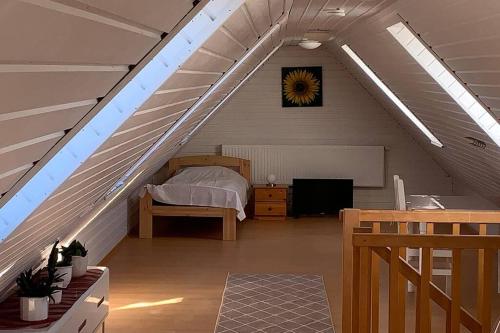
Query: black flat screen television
pixel 321 196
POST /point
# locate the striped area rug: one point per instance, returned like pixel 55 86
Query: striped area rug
pixel 274 303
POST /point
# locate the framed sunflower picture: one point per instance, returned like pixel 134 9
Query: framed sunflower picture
pixel 301 87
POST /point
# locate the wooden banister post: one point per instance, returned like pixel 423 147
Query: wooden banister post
pixel 429 229
pixel 395 313
pixel 146 216
pixel 349 222
pixel 456 271
pixel 403 230
pixel 356 279
pixel 364 290
pixel 375 284
pixel 484 287
pixel 424 301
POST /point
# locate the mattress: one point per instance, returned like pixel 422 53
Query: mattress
pixel 211 186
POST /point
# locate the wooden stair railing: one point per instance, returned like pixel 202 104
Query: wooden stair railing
pixel 387 246
pixel 364 245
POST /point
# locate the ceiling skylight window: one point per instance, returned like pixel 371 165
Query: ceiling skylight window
pixel 115 109
pixel 446 79
pixel 391 96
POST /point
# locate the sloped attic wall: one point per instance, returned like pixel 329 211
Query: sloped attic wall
pixel 79 196
pixel 350 116
pixel 51 76
pixel 466 35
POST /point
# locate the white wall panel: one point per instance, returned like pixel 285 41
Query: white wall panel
pixel 159 14
pixel 23 91
pixel 363 164
pixel 106 231
pixel 227 46
pixel 15 130
pixel 8 180
pixel 22 156
pixel 30 32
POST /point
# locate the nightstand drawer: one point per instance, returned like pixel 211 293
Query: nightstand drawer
pixel 270 194
pixel 270 209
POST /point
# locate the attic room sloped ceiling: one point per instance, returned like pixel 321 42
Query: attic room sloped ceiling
pixel 83 49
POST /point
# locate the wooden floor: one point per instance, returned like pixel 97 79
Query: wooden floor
pixel 174 283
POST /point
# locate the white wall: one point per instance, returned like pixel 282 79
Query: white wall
pixel 100 236
pixel 350 116
pixel 105 232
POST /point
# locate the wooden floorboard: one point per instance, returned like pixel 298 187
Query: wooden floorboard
pixel 180 279
pixel 195 269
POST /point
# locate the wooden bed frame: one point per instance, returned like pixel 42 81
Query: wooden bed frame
pixel 147 209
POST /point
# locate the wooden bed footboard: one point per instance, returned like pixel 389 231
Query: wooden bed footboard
pixel 147 210
pixel 146 216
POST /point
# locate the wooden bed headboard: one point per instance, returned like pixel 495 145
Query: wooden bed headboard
pixel 239 165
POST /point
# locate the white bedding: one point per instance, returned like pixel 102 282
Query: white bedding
pixel 211 186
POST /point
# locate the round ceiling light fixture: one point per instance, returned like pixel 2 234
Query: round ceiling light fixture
pixel 309 44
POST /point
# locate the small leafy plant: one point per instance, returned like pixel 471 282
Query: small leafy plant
pixel 52 264
pixel 66 261
pixel 75 248
pixel 34 285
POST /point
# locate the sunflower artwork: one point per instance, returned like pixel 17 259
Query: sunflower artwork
pixel 301 86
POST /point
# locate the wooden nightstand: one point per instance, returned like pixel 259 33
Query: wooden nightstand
pixel 270 202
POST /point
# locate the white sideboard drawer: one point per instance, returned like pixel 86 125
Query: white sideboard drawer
pixel 96 305
pixel 78 323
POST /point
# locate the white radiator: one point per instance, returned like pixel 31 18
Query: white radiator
pixel 363 164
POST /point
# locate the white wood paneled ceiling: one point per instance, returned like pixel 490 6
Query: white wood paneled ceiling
pixel 57 87
pixel 466 35
pixel 57 59
pixel 60 57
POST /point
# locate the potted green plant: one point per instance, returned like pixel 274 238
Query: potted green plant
pixel 63 267
pixel 78 257
pixel 57 279
pixel 34 292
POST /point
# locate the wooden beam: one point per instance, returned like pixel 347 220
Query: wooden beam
pixel 403 230
pixel 375 285
pixel 441 216
pixel 455 290
pixel 356 278
pixel 395 313
pixel 484 287
pixel 424 301
pixel 189 211
pixel 146 216
pixel 364 290
pixel 432 241
pixel 350 221
pixel 229 224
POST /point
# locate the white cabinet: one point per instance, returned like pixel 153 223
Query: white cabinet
pixel 87 314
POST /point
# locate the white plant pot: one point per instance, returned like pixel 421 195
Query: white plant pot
pixel 66 272
pixel 79 265
pixel 57 295
pixel 34 308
